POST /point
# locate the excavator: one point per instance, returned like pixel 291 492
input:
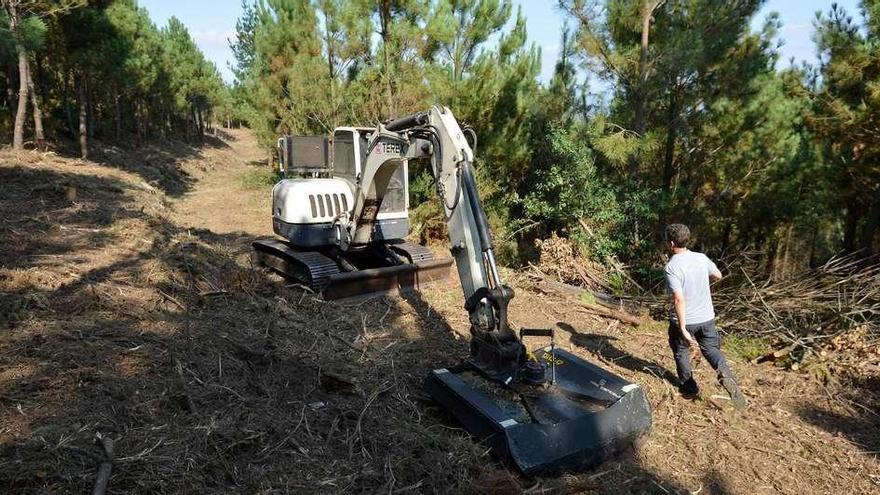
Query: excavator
pixel 342 214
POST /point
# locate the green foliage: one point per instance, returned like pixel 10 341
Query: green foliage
pixel 744 348
pixel 243 49
pixel 260 178
pixel 846 117
pixel 698 126
pixel 568 194
pixel 108 57
pixel 33 33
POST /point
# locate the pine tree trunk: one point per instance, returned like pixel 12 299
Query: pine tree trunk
pixel 872 223
pixel 65 102
pixel 849 228
pixel 90 108
pixel 384 14
pixel 195 122
pixel 331 71
pixel 671 136
pixel 21 111
pixel 137 123
pixel 83 117
pixel 39 136
pixel 187 126
pixel 640 120
pixel 117 117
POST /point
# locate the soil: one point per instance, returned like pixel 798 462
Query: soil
pixel 129 308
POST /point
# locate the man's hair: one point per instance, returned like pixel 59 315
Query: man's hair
pixel 679 234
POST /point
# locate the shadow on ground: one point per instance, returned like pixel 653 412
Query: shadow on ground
pixel 159 165
pixel 854 413
pixel 602 345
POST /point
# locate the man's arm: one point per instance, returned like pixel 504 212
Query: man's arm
pixel 714 272
pixel 680 313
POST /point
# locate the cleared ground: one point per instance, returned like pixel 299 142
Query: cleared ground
pixel 129 308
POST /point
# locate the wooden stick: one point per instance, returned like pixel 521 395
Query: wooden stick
pixel 106 466
pixel 611 313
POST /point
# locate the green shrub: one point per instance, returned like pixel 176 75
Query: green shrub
pixel 568 195
pixel 744 347
pixel 260 178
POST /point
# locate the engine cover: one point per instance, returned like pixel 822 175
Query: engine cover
pixel 304 210
pixel 310 201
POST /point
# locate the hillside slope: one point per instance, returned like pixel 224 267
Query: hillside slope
pixel 129 308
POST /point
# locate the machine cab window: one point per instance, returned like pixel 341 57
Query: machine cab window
pixel 344 162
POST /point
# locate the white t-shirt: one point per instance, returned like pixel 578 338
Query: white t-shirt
pixel 688 273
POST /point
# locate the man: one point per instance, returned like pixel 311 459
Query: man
pixel 692 320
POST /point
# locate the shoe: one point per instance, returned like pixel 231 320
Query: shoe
pixel 736 396
pixel 689 389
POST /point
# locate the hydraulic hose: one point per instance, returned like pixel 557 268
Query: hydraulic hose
pixel 470 187
pixel 416 119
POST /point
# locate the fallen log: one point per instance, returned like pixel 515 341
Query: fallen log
pixel 606 300
pixel 611 313
pixel 774 355
pixel 599 308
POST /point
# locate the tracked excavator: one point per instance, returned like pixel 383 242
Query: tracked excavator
pixel 343 221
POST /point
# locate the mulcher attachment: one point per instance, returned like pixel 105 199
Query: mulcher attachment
pixel 372 270
pixel 577 420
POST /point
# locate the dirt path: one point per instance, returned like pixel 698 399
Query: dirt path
pixel 127 309
pixel 228 196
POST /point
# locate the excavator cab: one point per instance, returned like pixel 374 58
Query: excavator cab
pixel 312 207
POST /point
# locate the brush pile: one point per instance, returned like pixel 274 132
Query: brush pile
pixel 560 259
pixel 809 310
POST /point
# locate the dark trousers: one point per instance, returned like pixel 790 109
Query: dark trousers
pixel 710 345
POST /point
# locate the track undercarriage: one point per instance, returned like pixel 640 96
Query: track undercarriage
pixel 372 269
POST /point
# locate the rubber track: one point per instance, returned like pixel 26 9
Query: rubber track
pixel 415 252
pixel 314 269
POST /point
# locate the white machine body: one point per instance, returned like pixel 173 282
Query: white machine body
pixel 309 211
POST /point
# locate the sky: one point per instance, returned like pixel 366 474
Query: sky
pixel 212 22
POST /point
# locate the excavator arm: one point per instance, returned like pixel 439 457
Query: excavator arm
pixel 436 135
pixel 541 412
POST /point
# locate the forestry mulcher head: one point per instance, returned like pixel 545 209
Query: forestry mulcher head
pixel 555 412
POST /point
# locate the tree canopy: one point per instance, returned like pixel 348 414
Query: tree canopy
pixel 697 124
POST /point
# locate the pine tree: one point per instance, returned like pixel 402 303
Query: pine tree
pixel 698 61
pixel 288 80
pixel 28 32
pixel 846 118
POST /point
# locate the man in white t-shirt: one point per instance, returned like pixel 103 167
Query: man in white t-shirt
pixel 692 319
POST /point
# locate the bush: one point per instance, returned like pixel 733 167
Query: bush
pixel 569 197
pixel 260 178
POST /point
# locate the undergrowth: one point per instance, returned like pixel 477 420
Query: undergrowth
pixel 744 347
pixel 260 178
